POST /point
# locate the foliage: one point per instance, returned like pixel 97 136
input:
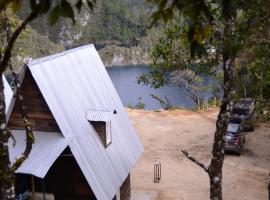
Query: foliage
pixel 189 82
pixel 173 66
pixel 215 30
pixel 139 54
pixel 254 77
pixel 112 22
pixel 139 105
pixel 115 55
pixel 29 43
pixel 37 8
pixel 263 110
pixel 55 9
pixel 253 72
pixel 198 16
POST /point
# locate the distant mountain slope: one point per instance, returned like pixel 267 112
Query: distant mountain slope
pixel 120 22
pixel 29 44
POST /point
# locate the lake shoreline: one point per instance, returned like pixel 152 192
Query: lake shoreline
pixel 129 65
pixel 132 94
pixel 113 55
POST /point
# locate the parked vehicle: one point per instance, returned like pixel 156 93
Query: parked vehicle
pixel 234 138
pixel 243 111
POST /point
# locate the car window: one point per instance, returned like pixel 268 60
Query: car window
pixel 234 120
pixel 230 133
pixel 239 111
pixel 233 128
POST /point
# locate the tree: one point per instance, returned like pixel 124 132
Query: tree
pixel 55 9
pixel 269 186
pixel 172 65
pixel 189 82
pixel 214 30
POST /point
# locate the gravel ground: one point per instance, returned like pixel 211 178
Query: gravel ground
pixel 165 133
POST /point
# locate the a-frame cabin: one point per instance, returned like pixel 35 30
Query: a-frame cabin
pixel 85 144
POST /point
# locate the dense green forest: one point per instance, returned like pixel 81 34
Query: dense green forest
pixel 121 26
pixel 30 44
pixel 118 22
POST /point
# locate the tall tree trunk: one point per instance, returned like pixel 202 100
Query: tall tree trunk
pixel 215 167
pixel 6 175
pixel 7 190
pixel 269 187
pixel 228 63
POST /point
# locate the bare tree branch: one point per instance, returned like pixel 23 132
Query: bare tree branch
pixel 205 168
pixel 5 63
pixel 12 137
pixel 166 104
pixel 11 42
pixel 28 130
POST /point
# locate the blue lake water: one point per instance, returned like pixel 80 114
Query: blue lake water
pixel 125 82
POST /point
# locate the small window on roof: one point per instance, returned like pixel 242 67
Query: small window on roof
pixel 101 121
pixel 103 130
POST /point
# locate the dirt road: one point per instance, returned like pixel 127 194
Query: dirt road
pixel 165 133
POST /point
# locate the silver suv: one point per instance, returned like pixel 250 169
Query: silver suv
pixel 244 111
pixel 234 138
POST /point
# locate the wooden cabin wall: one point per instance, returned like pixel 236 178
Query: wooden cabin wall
pixel 125 189
pixel 39 114
pixel 66 181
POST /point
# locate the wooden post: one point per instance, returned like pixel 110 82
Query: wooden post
pixel 157 172
pixel 206 102
pixel 33 186
pixel 43 189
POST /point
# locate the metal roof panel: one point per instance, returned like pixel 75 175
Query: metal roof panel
pixel 71 84
pixel 47 148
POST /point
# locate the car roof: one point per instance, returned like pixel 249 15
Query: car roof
pixel 243 103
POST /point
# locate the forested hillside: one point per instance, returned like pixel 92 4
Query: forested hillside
pixel 121 25
pixel 30 44
pixel 120 22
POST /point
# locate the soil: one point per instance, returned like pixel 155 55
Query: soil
pixel 165 133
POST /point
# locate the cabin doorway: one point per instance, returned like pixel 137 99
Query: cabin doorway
pixel 64 181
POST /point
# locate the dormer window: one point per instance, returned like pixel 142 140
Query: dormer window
pixel 101 122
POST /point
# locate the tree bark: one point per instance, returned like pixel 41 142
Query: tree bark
pixel 165 103
pixel 6 171
pixel 269 187
pixel 215 167
pixel 6 174
pixel 214 170
pixel 228 63
pixel 7 53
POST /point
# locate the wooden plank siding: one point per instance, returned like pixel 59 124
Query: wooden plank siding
pixel 125 189
pixel 39 114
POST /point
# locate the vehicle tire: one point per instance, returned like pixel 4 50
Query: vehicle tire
pixel 238 152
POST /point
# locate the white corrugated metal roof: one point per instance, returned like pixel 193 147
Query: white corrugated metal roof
pixel 46 149
pixel 99 115
pixel 71 83
pixel 9 96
